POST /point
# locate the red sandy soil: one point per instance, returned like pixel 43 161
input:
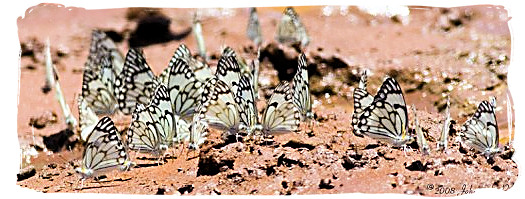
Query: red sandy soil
pixel 466 49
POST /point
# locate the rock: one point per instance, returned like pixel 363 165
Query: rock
pixel 26 173
pixel 326 184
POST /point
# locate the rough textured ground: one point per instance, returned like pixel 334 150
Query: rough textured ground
pixel 464 52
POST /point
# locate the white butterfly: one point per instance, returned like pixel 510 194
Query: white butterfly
pixel 103 151
pixel 101 44
pixel 251 71
pixel 301 87
pixel 199 132
pixel 362 99
pixel 443 140
pixel 291 29
pixel 87 117
pixel 97 94
pixel 151 129
pixel 136 83
pixel 246 101
pixel 281 115
pixel 420 137
pixel 386 117
pixel 218 107
pixel 201 70
pixel 253 31
pixel 481 130
pixel 185 91
pixel 228 69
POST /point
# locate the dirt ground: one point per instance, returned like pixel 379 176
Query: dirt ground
pixel 463 52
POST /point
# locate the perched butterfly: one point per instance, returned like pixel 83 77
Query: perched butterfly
pixel 386 117
pixel 246 101
pixel 362 99
pixel 218 107
pixel 291 29
pixel 443 140
pixel 228 69
pixel 199 132
pixel 301 87
pixel 151 129
pixel 97 95
pixel 420 137
pixel 185 91
pixel 100 44
pixel 481 130
pixel 201 70
pixel 103 151
pixel 136 83
pixel 281 115
pixel 88 119
pixel 253 31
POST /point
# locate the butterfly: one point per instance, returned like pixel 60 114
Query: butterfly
pixel 151 128
pixel 219 107
pixel 96 93
pixel 291 29
pixel 362 99
pixel 420 137
pixel 103 151
pixel 87 117
pixel 251 71
pixel 185 90
pixel 199 132
pixel 301 97
pixel 386 117
pixel 201 70
pixel 481 130
pixel 101 44
pixel 253 31
pixel 281 115
pixel 228 69
pixel 245 98
pixel 443 140
pixel 136 83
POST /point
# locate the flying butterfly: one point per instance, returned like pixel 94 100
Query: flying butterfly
pixel 481 130
pixel 280 115
pixel 103 151
pixel 291 29
pixel 386 117
pixel 151 129
pixel 301 87
pixel 87 117
pixel 362 99
pixel 443 140
pixel 420 136
pixel 136 83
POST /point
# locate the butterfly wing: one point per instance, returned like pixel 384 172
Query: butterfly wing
pixel 291 29
pixel 202 71
pixel 246 100
pixel 443 140
pixel 184 88
pixel 386 118
pixel 281 115
pixel 253 31
pixel 218 107
pixel 96 94
pixel 87 117
pixel 362 99
pixel 104 150
pixel 151 129
pixel 136 83
pixel 101 44
pixel 481 131
pixel 228 70
pixel 301 97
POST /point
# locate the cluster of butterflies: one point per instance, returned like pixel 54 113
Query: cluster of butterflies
pixel 179 105
pixel 384 117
